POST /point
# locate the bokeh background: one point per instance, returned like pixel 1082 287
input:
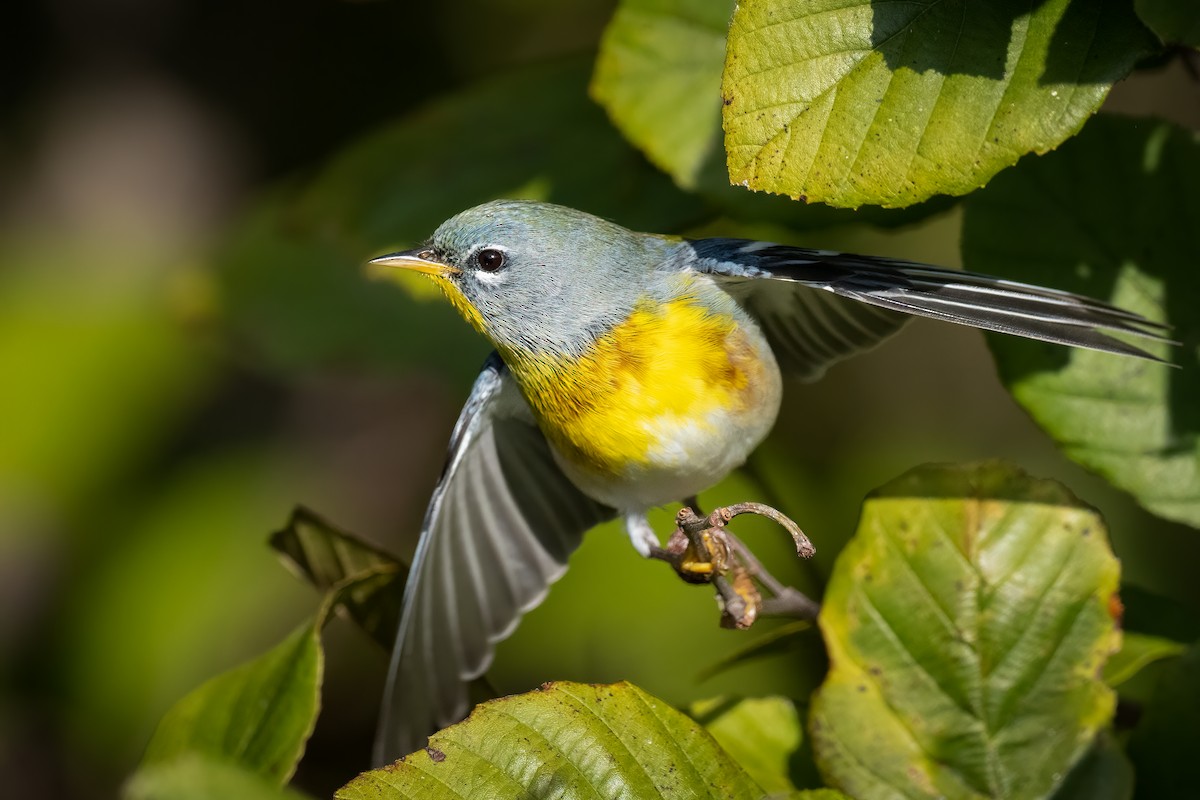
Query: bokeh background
pixel 173 379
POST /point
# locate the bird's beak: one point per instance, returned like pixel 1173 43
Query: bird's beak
pixel 419 260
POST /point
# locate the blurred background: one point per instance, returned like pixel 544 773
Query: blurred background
pixel 189 348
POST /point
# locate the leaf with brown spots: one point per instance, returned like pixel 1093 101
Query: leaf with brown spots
pixel 853 102
pixel 565 740
pixel 967 625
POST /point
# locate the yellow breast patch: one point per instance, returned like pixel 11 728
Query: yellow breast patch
pixel 675 364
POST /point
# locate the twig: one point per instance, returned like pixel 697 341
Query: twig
pixel 701 550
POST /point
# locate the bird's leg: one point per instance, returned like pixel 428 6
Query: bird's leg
pixel 702 550
pixel 644 540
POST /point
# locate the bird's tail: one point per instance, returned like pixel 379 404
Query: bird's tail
pixel 967 298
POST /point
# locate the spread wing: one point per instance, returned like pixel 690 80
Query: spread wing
pixel 499 528
pixel 819 306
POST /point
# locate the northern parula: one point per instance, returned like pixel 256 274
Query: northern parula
pixel 633 370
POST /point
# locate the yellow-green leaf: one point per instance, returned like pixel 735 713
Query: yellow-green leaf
pixel 853 102
pixel 762 734
pixel 658 74
pixel 967 624
pixel 257 716
pixel 1137 651
pixel 565 740
pixel 197 777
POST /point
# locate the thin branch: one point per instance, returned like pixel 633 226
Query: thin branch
pixel 702 550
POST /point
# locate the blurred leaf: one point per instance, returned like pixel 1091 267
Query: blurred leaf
pixel 1163 746
pixel 293 277
pixel 566 739
pixel 762 734
pixel 967 623
pixel 196 777
pixel 531 133
pixel 1172 20
pixel 658 74
pixel 326 556
pixel 297 299
pixel 258 715
pixel 1138 650
pixel 850 103
pixel 1111 215
pixel 360 580
pixel 180 587
pixel 99 373
pixel 1104 773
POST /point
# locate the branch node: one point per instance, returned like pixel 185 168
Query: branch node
pixel 701 550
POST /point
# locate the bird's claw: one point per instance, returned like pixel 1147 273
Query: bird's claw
pixel 702 550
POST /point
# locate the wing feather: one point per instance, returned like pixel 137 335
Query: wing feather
pixel 498 531
pixel 817 306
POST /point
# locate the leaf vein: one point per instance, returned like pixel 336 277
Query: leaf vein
pixel 522 724
pixel 583 705
pixel 889 631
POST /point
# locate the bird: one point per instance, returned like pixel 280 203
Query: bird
pixel 632 370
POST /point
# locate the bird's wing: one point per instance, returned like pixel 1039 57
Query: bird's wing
pixel 499 528
pixel 812 325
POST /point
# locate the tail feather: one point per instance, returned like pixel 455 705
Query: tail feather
pixel 967 298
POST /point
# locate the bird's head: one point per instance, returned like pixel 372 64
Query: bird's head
pixel 536 277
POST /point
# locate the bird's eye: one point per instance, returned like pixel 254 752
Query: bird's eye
pixel 490 259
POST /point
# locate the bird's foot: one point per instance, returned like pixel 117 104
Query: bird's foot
pixel 703 550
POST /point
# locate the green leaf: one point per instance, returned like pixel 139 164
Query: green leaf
pixel 1111 215
pixel 173 573
pixel 565 740
pixel 258 715
pixel 1172 20
pixel 1138 650
pixel 854 102
pixel 196 777
pixel 327 556
pixel 324 554
pixel 1163 746
pixel 658 74
pixel 1103 774
pixel 967 622
pixel 762 734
